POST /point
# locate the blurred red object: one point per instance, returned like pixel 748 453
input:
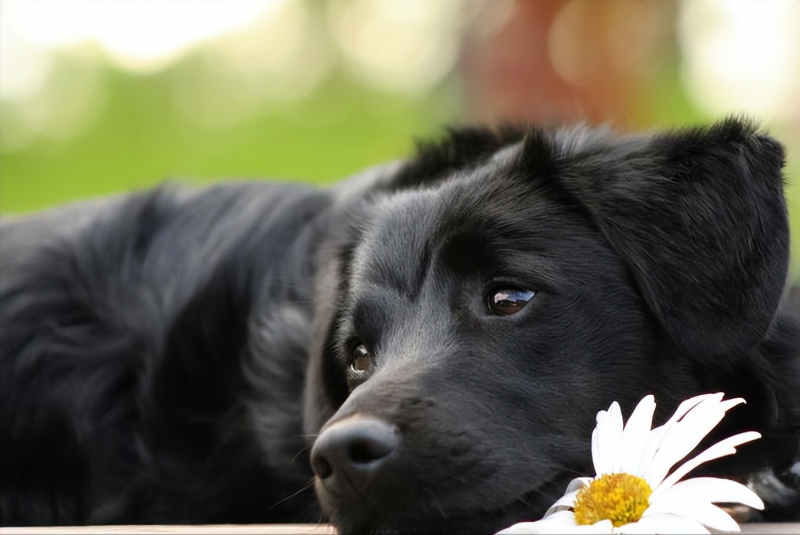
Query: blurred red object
pixel 561 61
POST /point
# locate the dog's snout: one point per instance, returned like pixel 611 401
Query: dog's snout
pixel 351 453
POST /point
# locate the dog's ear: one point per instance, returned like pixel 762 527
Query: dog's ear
pixel 700 218
pixel 461 148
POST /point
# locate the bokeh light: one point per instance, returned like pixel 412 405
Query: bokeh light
pixel 398 44
pixel 742 55
pixel 139 35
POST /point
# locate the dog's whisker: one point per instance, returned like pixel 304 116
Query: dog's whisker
pixel 287 498
pixel 302 451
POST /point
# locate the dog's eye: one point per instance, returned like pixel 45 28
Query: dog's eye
pixel 508 301
pixel 361 360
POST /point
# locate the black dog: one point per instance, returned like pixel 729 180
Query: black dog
pixel 426 344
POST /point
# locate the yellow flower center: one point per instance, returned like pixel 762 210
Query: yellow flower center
pixel 620 498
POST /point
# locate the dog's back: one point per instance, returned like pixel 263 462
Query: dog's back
pixel 116 315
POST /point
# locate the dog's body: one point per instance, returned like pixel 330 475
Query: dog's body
pixel 448 326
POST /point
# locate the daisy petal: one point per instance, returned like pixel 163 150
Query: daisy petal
pixel 714 490
pixel 597 457
pixel 567 501
pixel 688 433
pixel 605 439
pixel 690 404
pixel 578 483
pixel 521 527
pixel 561 522
pixel 659 434
pixel 663 523
pixel 604 526
pixel 647 468
pixel 703 418
pixel 720 449
pixel 635 435
pixel 702 511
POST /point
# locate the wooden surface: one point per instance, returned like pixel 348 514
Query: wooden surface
pixel 222 529
pixel 280 529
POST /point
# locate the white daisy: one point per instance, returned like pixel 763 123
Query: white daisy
pixel 635 490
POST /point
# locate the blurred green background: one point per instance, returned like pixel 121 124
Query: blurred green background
pixel 98 97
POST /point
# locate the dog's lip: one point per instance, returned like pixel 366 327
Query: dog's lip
pixel 475 520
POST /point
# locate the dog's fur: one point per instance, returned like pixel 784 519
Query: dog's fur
pixel 171 356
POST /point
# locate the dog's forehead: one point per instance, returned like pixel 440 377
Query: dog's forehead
pixel 398 237
pixel 407 228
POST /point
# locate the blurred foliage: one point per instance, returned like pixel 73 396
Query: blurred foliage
pixel 284 97
pixel 139 139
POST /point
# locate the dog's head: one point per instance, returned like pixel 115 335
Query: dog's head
pixel 477 309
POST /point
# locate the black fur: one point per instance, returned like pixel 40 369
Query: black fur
pixel 171 356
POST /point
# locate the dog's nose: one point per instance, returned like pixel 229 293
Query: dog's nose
pixel 350 454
